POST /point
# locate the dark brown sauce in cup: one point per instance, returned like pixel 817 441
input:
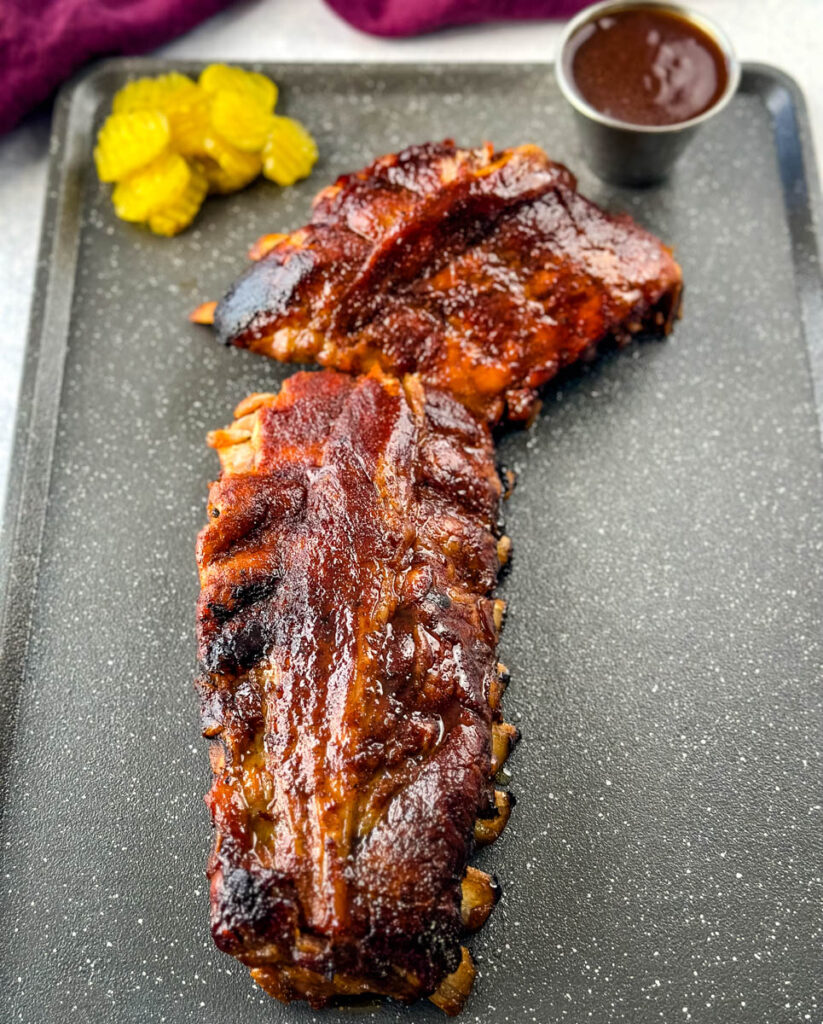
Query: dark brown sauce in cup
pixel 647 67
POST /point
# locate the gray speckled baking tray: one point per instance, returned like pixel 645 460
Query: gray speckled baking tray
pixel 664 633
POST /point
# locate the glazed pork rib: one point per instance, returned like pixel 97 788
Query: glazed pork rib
pixel 349 686
pixel 484 272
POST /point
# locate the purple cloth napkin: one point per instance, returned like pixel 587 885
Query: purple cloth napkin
pixel 411 17
pixel 43 41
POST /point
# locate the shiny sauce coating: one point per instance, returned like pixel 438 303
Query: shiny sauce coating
pixel 647 67
pixel 350 687
pixel 484 271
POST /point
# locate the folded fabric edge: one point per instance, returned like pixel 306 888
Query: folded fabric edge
pixel 401 18
pixel 35 59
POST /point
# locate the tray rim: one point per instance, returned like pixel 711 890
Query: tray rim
pixel 40 394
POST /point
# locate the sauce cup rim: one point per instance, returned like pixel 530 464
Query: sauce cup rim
pixel 697 18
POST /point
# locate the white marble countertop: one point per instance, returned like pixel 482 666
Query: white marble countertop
pixel 786 33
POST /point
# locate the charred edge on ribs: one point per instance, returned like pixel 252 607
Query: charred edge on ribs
pixel 350 689
pixel 484 272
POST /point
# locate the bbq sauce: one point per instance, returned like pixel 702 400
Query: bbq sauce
pixel 647 66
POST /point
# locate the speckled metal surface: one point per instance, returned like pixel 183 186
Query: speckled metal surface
pixel 664 629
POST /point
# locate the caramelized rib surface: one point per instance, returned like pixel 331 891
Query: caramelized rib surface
pixel 484 272
pixel 349 684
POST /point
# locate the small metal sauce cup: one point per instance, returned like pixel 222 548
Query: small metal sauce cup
pixel 634 154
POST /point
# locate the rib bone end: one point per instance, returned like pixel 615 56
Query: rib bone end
pixel 504 737
pixel 453 990
pixel 480 892
pixel 486 830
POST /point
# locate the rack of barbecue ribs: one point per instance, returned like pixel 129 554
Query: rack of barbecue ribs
pixel 347 622
pixel 483 272
pixel 350 688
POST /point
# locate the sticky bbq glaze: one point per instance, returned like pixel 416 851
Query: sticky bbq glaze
pixel 483 271
pixel 350 687
pixel 647 66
